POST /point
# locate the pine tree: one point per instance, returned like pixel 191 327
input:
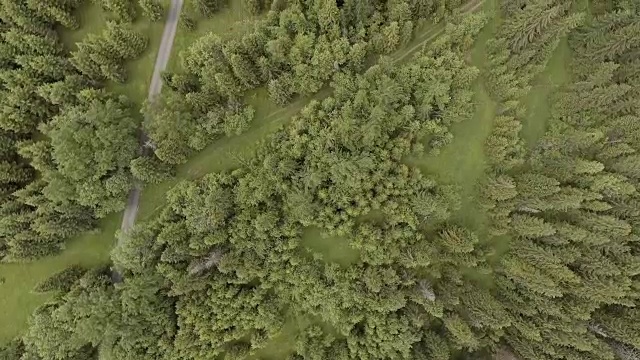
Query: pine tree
pixel 151 9
pixel 207 7
pixel 150 169
pixel 123 10
pixel 253 6
pixel 124 41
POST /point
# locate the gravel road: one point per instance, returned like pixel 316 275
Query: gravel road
pixel 164 53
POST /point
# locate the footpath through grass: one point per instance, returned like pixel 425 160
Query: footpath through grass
pixel 17 300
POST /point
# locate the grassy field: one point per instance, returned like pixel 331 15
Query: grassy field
pixel 17 300
pixel 329 248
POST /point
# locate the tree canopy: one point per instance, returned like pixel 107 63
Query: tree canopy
pixel 224 270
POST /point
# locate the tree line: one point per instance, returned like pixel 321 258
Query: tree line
pixel 571 274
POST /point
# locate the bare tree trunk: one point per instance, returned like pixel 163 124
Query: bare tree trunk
pixel 203 264
pixel 426 290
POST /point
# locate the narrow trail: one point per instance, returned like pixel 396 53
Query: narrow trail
pixel 164 53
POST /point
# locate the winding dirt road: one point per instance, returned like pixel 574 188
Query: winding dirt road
pixel 164 53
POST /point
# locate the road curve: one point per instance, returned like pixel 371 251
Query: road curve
pixel 164 53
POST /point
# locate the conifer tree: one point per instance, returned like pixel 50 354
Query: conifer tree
pixel 151 9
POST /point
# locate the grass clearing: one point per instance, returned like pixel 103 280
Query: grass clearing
pixel 140 70
pixel 93 248
pixel 18 301
pixel 538 99
pixel 462 162
pixel 334 249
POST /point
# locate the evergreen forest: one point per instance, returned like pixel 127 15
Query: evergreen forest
pixel 320 179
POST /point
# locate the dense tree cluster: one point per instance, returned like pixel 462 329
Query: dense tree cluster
pixel 62 281
pixel 91 146
pixel 296 50
pixel 37 15
pixel 222 270
pixel 64 146
pixel 523 44
pixel 225 255
pixel 569 207
pixel 149 169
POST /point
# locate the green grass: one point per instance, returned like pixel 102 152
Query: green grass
pixel 17 300
pixel 283 344
pixel 557 73
pixel 538 99
pixel 329 248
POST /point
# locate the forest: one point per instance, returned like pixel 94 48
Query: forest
pixel 415 179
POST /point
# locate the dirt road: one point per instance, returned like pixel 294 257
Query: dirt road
pixel 164 52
